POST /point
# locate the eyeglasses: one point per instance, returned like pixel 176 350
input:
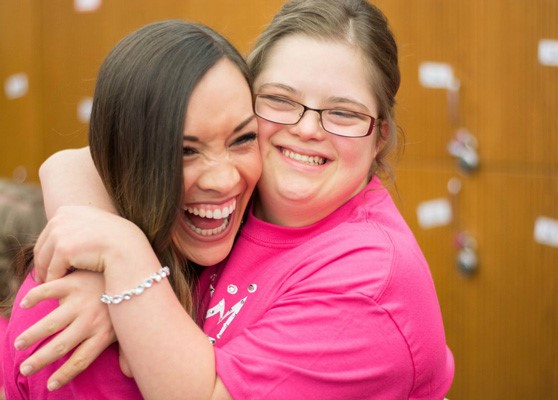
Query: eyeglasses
pixel 337 121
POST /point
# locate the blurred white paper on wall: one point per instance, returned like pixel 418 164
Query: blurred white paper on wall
pixel 87 5
pixel 84 109
pixel 434 213
pixel 546 231
pixel 548 52
pixel 16 86
pixel 436 75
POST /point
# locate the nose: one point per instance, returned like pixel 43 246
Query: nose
pixel 309 126
pixel 219 176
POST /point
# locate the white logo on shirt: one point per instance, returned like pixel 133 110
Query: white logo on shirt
pixel 219 309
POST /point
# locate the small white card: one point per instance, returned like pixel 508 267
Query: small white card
pixel 436 75
pixel 548 52
pixel 16 86
pixel 546 231
pixel 434 213
pixel 87 5
pixel 84 109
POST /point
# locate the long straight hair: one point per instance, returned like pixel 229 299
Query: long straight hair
pixel 137 125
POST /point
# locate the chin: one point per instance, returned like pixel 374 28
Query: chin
pixel 207 254
pixel 211 256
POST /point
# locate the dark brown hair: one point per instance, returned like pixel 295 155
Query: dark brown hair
pixel 137 124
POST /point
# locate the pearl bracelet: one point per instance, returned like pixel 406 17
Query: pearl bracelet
pixel 156 277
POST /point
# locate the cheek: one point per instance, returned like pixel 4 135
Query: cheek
pixel 250 167
pixel 190 176
pixel 265 130
pixel 358 154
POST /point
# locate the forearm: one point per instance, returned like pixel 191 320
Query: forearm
pixel 69 177
pixel 168 353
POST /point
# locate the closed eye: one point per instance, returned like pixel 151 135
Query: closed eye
pixel 278 102
pixel 189 151
pixel 246 138
pixel 343 113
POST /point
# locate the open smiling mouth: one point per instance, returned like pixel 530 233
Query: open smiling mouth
pixel 209 220
pixel 310 160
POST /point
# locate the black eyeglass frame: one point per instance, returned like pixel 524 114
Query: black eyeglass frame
pixel 319 111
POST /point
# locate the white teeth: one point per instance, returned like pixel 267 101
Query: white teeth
pixel 218 213
pixel 315 160
pixel 208 232
pixel 226 212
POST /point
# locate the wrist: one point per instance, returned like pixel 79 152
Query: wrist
pixel 125 270
pixel 139 289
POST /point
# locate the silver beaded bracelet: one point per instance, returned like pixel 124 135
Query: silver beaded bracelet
pixel 156 277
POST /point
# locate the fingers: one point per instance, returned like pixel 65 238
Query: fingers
pixel 50 257
pixel 80 320
pixel 55 248
pixel 78 305
pixel 84 238
pixel 62 343
pixel 58 267
pixel 81 358
pixel 55 321
pixel 41 255
pixel 50 290
pixel 58 347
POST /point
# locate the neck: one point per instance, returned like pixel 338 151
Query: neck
pixel 291 214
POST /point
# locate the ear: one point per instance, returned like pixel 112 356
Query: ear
pixel 383 135
pixel 384 130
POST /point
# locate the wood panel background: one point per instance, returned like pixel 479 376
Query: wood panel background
pixel 502 322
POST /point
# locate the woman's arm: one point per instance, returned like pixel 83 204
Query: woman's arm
pixel 168 354
pixel 69 177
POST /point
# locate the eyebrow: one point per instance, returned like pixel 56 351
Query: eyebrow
pixel 238 128
pixel 289 89
pixel 347 100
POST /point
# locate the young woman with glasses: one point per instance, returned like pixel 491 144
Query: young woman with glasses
pixel 326 293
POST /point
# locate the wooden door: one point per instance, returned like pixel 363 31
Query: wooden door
pixel 502 321
pixel 20 90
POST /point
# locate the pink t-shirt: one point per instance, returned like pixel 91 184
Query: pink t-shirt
pixel 3 328
pixel 102 380
pixel 343 309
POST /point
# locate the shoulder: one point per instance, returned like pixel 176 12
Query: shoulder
pixel 363 250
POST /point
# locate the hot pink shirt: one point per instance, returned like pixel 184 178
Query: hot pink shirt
pixel 3 328
pixel 342 309
pixel 102 380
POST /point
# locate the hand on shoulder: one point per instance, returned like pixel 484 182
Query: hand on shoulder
pixel 83 237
